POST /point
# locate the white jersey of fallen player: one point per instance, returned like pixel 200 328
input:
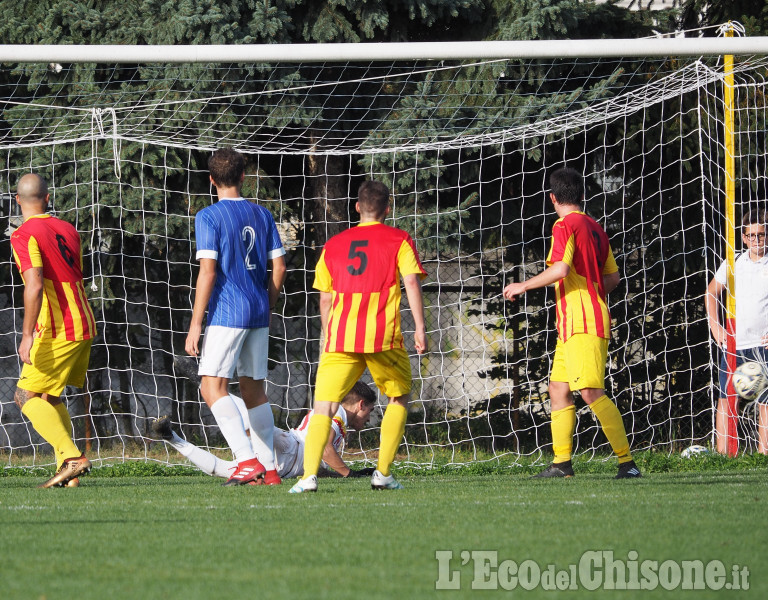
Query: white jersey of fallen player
pixel 289 445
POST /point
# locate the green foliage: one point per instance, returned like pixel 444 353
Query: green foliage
pixel 753 14
pixel 147 212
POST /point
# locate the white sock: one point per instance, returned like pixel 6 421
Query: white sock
pixel 232 428
pixel 203 460
pixel 262 434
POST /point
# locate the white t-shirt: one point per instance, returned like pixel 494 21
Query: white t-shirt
pixel 289 445
pixel 751 278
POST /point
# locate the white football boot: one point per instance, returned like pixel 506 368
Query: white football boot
pixel 380 482
pixel 304 485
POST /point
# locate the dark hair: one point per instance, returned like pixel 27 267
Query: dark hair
pixel 361 391
pixel 756 216
pixel 373 197
pixel 567 185
pixel 226 167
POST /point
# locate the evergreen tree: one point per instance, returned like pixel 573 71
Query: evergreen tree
pixel 146 214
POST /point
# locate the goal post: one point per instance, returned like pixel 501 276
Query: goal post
pixel 465 143
pixel 660 47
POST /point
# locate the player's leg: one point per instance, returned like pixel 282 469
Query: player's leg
pixel 66 421
pixel 221 348
pixel 391 371
pixel 760 355
pixel 721 426
pixel 252 369
pixel 55 364
pixel 563 423
pixel 721 412
pixel 202 459
pixel 608 415
pixel 762 428
pixel 215 392
pixel 586 356
pixel 47 422
pixel 336 374
pixel 289 454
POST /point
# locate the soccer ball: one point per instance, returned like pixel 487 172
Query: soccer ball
pixel 749 380
pixel 694 450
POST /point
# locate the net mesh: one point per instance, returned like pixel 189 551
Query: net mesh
pixel 466 149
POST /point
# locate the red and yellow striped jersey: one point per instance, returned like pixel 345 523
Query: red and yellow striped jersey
pixel 580 242
pixel 49 243
pixel 361 269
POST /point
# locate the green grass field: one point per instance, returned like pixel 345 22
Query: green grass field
pixel 185 536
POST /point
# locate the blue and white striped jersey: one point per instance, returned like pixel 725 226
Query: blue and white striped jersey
pixel 241 236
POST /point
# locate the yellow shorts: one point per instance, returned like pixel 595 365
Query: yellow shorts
pixel 55 365
pixel 580 361
pixel 339 371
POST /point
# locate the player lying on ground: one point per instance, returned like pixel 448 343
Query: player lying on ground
pixel 288 445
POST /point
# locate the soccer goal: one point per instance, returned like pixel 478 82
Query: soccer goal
pixel 465 146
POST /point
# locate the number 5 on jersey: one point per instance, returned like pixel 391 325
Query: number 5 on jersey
pixel 356 253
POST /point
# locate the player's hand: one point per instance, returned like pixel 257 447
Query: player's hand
pixel 25 348
pixel 420 342
pixel 513 290
pixel 193 339
pixel 721 335
pixel 367 472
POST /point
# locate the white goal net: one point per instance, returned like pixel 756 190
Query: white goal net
pixel 466 148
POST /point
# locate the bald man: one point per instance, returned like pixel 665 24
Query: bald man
pixel 58 326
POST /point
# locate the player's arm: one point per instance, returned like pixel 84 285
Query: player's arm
pixel 552 274
pixel 325 309
pixel 206 279
pixel 333 459
pixel 277 270
pixel 416 302
pixel 711 302
pixel 610 281
pixel 33 302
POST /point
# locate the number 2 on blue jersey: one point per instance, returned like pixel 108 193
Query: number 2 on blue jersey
pixel 249 237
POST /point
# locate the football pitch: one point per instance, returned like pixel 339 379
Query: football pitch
pixel 449 534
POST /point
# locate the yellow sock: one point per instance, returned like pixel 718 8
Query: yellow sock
pixel 563 426
pixel 46 421
pixel 613 427
pixel 315 442
pixel 392 430
pixel 66 421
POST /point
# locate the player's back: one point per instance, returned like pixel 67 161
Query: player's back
pixel 240 235
pixel 47 242
pixel 58 244
pixel 361 268
pixel 591 246
pixel 363 259
pixel 579 241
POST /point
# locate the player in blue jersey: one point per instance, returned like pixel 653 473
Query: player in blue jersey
pixel 242 269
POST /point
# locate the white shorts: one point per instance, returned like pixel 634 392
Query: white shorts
pixel 289 454
pixel 225 348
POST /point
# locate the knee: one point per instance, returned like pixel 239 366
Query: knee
pixel 589 395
